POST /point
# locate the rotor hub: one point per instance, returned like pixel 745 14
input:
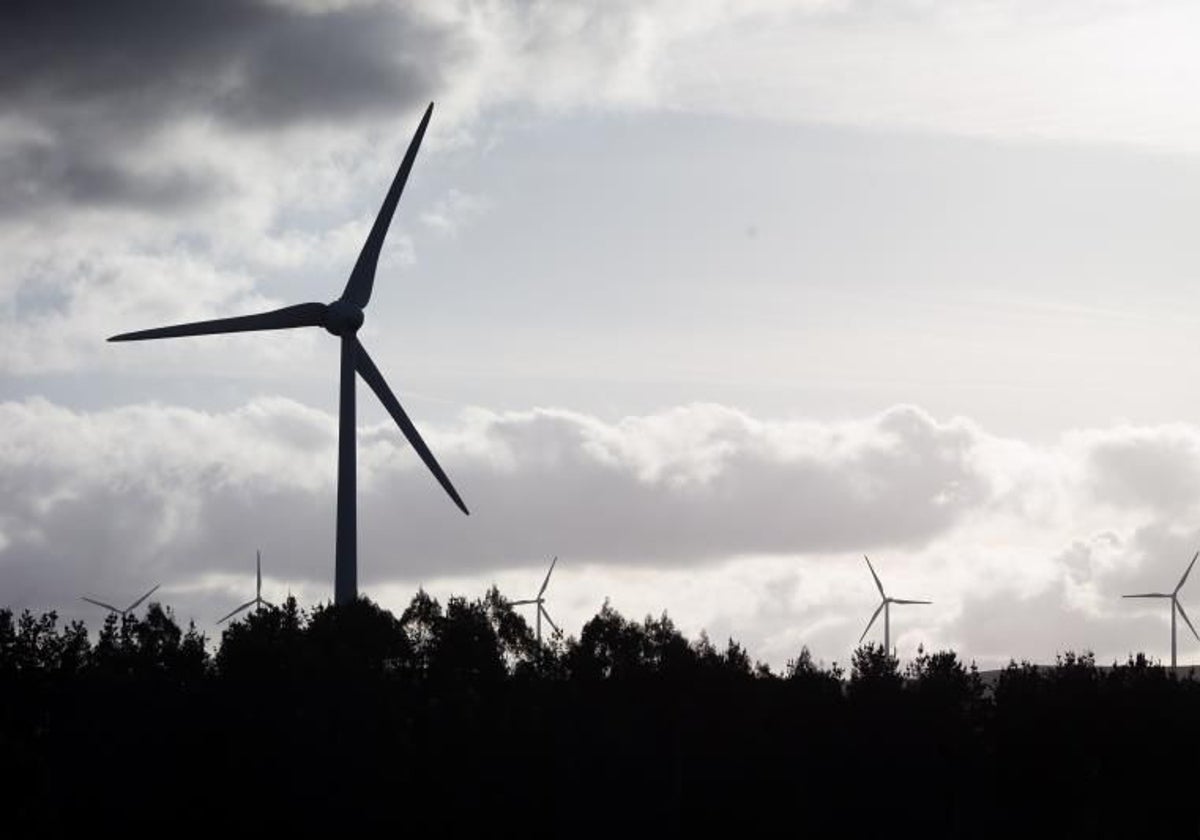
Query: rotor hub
pixel 343 318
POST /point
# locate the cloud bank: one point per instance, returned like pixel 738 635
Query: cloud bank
pixel 775 514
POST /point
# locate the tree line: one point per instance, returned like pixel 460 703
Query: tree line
pixel 451 717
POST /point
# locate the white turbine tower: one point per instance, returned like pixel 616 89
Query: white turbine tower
pixel 120 612
pixel 258 598
pixel 885 608
pixel 541 604
pixel 1175 605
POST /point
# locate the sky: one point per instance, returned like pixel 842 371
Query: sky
pixel 709 299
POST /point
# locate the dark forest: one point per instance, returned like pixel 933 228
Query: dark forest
pixel 450 718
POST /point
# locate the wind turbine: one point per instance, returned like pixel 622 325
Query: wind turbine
pixel 1175 605
pixel 541 604
pixel 120 612
pixel 341 318
pixel 258 598
pixel 884 607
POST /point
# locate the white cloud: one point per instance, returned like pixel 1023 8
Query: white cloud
pixel 453 211
pixel 1071 70
pixel 744 526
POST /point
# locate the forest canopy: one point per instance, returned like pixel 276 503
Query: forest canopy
pixel 449 715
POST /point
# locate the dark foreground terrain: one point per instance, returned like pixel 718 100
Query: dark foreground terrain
pixel 450 719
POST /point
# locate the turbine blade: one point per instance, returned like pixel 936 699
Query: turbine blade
pixel 874 616
pixel 546 582
pixel 1183 579
pixel 258 569
pixel 134 605
pixel 228 616
pixel 370 373
pixel 1148 595
pixel 523 601
pixel 100 604
pixel 546 616
pixel 300 315
pixel 1188 620
pixel 878 585
pixel 362 278
pixel 902 601
pixel 265 601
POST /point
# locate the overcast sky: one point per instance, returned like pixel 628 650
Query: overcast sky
pixel 707 298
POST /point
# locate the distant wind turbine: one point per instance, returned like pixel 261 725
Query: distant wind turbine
pixel 1175 605
pixel 885 608
pixel 121 612
pixel 541 604
pixel 258 598
pixel 341 318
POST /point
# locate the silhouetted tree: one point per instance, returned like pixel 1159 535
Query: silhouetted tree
pixel 941 682
pixel 422 624
pixel 435 721
pixel 468 649
pixel 804 675
pixel 874 672
pixel 115 654
pixel 359 638
pixel 608 647
pixel 664 649
pixel 34 645
pixel 265 644
pixel 518 645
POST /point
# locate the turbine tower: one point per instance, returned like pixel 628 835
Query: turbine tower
pixel 884 607
pixel 258 598
pixel 541 604
pixel 1175 605
pixel 120 612
pixel 341 318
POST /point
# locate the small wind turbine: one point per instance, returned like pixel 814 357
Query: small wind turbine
pixel 341 318
pixel 258 598
pixel 1175 605
pixel 120 612
pixel 540 601
pixel 885 608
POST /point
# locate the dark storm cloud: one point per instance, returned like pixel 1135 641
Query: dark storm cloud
pixel 94 80
pixel 69 169
pixel 245 61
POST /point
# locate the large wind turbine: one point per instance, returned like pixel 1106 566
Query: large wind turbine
pixel 541 604
pixel 884 606
pixel 258 598
pixel 341 318
pixel 121 612
pixel 1175 605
